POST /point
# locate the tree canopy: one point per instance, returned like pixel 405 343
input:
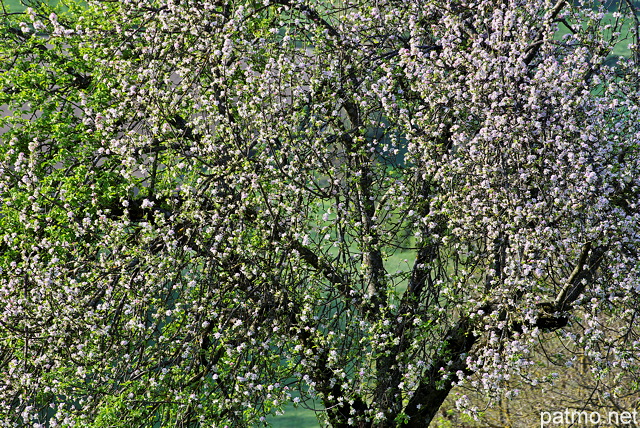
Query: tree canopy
pixel 210 209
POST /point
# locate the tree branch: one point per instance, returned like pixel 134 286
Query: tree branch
pixel 534 48
pixel 588 262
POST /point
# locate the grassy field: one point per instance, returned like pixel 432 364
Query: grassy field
pixel 12 5
pixel 16 5
pixel 295 418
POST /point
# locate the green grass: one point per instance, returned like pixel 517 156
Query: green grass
pixel 12 5
pixel 17 6
pixel 295 418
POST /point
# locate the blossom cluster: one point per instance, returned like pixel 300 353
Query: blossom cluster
pixel 203 206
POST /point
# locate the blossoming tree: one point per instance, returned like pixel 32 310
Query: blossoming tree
pixel 204 205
